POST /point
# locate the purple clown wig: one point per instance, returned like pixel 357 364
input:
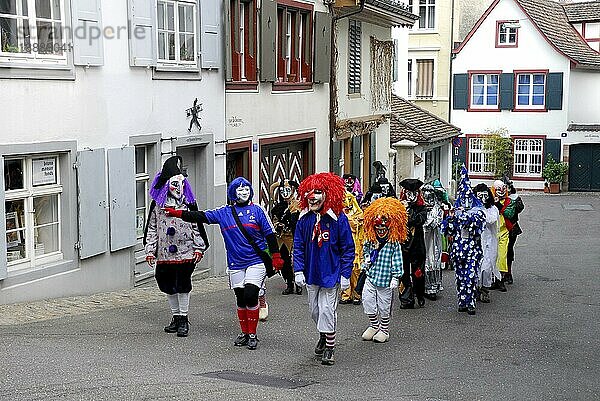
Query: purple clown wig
pixel 160 193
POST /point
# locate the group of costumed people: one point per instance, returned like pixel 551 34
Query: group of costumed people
pixel 343 247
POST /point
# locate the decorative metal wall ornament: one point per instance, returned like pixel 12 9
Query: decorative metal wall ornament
pixel 193 112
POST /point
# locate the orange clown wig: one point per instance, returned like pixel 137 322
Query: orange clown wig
pixel 394 212
pixel 332 186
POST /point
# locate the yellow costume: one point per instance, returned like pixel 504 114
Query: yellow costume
pixel 355 217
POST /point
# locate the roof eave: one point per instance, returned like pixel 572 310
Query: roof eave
pixel 387 18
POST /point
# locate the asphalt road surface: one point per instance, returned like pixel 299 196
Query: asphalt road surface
pixel 538 341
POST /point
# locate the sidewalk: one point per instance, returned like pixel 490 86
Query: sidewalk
pixel 37 311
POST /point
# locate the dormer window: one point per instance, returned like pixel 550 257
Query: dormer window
pixel 507 33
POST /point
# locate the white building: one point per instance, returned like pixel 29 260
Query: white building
pixel 94 98
pixel 524 67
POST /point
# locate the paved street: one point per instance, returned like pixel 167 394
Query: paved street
pixel 538 341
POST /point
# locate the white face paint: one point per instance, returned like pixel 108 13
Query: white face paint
pixel 242 193
pixel 499 189
pixel 467 202
pixel 316 199
pixel 385 189
pixel 285 191
pixel 411 196
pixel 176 186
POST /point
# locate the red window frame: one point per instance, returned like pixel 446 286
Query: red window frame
pixel 470 85
pixel 516 107
pixel 507 45
pixel 301 72
pixel 249 61
pixel 480 176
pixel 528 178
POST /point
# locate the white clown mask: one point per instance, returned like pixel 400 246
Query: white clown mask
pixel 499 189
pixel 176 184
pixel 316 198
pixel 242 194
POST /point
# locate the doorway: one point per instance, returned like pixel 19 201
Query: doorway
pixel 584 167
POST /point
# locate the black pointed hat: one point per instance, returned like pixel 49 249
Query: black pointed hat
pixel 172 167
pixel 411 184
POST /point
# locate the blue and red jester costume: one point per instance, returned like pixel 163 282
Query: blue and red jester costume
pixel 465 223
pixel 323 253
pixel 245 267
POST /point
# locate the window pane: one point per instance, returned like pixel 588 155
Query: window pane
pixel 478 100
pixel 43 9
pixel 524 79
pixel 538 79
pixel 171 37
pixel 493 79
pixel 45 37
pixel 492 89
pixel 45 209
pixel 140 194
pixel 523 100
pixel 8 7
pixel 478 79
pixel 15 233
pixel 181 10
pixel 538 100
pixel 140 159
pixel 492 100
pixel 140 219
pixel 161 14
pixel 24 7
pixel 523 89
pixel 13 174
pixel 46 239
pixel 170 17
pixel 162 51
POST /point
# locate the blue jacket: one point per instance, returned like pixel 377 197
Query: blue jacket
pixel 323 265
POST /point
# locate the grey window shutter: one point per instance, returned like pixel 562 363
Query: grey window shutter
pixel 460 95
pixel 3 259
pixel 322 47
pixel 92 204
pixel 552 146
pixel 336 155
pixel 356 149
pixel 228 49
pixel 507 95
pixel 121 197
pixel 268 33
pixel 142 33
pixel 87 19
pixel 554 91
pixel 210 16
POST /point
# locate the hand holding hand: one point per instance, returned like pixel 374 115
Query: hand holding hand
pixel 150 259
pixel 344 283
pixel 198 257
pixel 299 279
pixel 173 212
pixel 277 261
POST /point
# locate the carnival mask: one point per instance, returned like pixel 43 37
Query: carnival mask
pixel 348 204
pixel 382 227
pixel 429 197
pixel 482 196
pixel 385 189
pixel 285 192
pixel 349 182
pixel 242 194
pixel 411 196
pixel 176 184
pixel 316 198
pixel 499 189
pixel 467 202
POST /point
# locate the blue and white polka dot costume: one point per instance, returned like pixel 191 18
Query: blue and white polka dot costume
pixel 465 226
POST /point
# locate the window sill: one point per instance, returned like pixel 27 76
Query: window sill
pixel 482 176
pixel 530 110
pixel 291 86
pixel 527 178
pixel 176 73
pixel 18 277
pixel 30 70
pixel 354 96
pixel 241 85
pixel 483 110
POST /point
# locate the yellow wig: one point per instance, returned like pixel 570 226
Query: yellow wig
pixel 393 211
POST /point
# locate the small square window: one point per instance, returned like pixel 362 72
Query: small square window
pixel 13 174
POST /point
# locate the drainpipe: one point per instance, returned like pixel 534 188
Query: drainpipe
pixel 451 56
pixel 333 104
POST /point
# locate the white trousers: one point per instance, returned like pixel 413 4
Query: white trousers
pixel 322 305
pixel 377 299
pixel 254 274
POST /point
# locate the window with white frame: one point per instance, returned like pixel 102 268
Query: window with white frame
pixel 32 31
pixel 410 78
pixel 177 32
pixel 478 157
pixel 424 78
pixel 425 9
pixel 32 210
pixel 507 34
pixel 528 156
pixel 531 91
pixel 432 164
pixel 484 91
pixel 142 178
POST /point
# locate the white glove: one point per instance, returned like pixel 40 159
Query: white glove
pixel 394 283
pixel 299 279
pixel 344 283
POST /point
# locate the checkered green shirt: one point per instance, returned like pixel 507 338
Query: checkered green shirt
pixel 387 265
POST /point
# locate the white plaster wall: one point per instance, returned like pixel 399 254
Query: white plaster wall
pixel 400 87
pixel 584 95
pixel 532 53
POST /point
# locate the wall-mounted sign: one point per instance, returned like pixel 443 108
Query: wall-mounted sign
pixel 44 171
pixel 456 142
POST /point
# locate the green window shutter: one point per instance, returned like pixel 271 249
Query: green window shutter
pixel 507 96
pixel 462 151
pixel 460 95
pixel 268 31
pixel 552 146
pixel 554 91
pixel 322 47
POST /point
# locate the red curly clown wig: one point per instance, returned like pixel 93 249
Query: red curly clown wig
pixel 394 212
pixel 333 187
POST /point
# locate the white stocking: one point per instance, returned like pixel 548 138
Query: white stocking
pixel 173 303
pixel 184 302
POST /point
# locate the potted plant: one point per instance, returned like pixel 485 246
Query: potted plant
pixel 554 173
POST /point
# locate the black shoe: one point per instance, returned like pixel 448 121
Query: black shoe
pixel 320 344
pixel 252 341
pixel 431 297
pixel 484 297
pixel 345 301
pixel 471 310
pixel 184 326
pixel 298 290
pixel 172 327
pixel 407 306
pixel 241 340
pixel 462 309
pixel 327 358
pixel 501 286
pixel 356 302
pixel 508 279
pixel 421 301
pixel 288 291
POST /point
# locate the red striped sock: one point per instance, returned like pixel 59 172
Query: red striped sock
pixel 243 316
pixel 252 314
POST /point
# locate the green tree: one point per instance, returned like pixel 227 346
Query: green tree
pixel 499 148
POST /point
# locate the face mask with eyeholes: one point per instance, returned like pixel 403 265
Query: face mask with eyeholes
pixel 176 184
pixel 242 194
pixel 316 199
pixel 382 227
